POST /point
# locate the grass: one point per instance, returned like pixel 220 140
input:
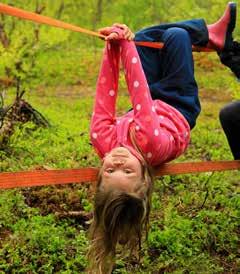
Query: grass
pixel 195 218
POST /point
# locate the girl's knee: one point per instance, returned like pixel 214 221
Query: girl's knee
pixel 177 38
pixel 177 33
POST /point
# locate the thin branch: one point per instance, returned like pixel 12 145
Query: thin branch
pixel 60 10
pixel 207 192
pixel 74 214
pixel 39 9
pixel 4 38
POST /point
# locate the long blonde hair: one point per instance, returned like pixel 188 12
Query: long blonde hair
pixel 119 217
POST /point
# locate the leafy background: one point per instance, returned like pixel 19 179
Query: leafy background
pixel 195 218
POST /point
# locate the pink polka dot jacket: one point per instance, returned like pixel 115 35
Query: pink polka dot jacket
pixel 160 131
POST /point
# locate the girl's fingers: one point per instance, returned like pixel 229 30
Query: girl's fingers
pixel 128 34
pixel 112 36
pixel 105 31
pixel 122 26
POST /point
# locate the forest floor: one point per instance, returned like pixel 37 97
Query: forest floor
pixel 194 225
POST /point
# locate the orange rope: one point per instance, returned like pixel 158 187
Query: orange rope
pixel 37 18
pixel 159 45
pixel 83 175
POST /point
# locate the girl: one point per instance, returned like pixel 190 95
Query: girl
pixel 152 133
pixel 157 130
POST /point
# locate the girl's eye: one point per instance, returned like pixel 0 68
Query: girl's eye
pixel 110 170
pixel 128 171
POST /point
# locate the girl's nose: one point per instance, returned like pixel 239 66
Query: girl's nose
pixel 118 162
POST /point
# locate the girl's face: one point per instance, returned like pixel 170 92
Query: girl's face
pixel 122 170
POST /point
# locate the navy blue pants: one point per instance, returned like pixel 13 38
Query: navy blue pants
pixel 170 71
pixel 230 120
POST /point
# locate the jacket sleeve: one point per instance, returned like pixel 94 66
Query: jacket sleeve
pixel 144 112
pixel 103 118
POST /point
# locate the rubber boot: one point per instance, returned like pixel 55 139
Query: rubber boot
pixel 220 33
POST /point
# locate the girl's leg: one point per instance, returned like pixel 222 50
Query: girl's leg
pixel 170 73
pixel 196 28
pixel 217 36
pixel 230 120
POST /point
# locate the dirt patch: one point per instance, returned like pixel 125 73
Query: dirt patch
pixel 66 201
pixel 75 91
pixel 212 95
pixel 4 235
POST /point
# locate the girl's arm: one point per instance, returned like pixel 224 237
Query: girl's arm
pixel 144 112
pixel 135 77
pixel 103 118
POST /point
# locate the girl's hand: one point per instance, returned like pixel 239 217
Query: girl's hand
pixel 111 35
pixel 107 31
pixel 128 34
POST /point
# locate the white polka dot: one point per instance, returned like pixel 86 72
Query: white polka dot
pixel 136 84
pixel 118 122
pixel 130 120
pixel 137 127
pixel 112 92
pixel 156 132
pixel 94 135
pixel 161 117
pixel 149 155
pixel 134 60
pixel 109 46
pixel 170 114
pixel 153 109
pixel 171 138
pixel 138 107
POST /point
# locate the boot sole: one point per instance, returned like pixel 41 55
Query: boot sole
pixel 231 26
